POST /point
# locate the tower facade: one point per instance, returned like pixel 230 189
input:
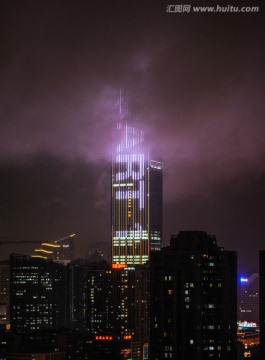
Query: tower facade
pixel 117 304
pixel 249 298
pixel 262 303
pixel 193 292
pixel 136 198
pixel 38 294
pixel 4 292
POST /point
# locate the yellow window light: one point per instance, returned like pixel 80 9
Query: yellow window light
pixel 45 251
pixel 51 245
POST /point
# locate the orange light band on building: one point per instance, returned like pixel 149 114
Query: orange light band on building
pixel 118 266
pixel 104 338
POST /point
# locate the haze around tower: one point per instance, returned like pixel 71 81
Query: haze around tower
pixel 196 83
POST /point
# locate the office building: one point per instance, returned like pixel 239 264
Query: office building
pixel 118 309
pixel 193 287
pixel 136 197
pixel 249 298
pixel 38 294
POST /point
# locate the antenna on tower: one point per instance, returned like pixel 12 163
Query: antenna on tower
pixel 120 102
pixel 123 104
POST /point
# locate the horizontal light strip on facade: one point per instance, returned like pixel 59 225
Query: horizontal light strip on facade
pixel 156 164
pixel 118 185
pixel 129 237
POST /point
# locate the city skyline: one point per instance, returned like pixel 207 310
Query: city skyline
pixel 196 82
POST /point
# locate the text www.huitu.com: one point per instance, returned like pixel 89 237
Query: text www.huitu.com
pixel 211 9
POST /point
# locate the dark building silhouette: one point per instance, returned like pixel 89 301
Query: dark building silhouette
pixel 65 252
pixel 55 355
pixel 262 304
pixel 193 293
pixel 38 294
pixel 4 292
pixel 77 286
pixel 99 250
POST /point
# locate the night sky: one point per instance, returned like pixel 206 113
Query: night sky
pixel 196 82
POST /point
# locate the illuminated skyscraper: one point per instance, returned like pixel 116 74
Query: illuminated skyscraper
pixel 136 198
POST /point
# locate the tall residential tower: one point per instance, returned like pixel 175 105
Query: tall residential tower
pixel 193 287
pixel 136 197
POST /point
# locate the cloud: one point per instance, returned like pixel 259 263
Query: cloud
pixel 194 84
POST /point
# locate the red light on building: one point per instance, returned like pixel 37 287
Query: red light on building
pixel 127 337
pixel 118 266
pixel 126 351
pixel 104 338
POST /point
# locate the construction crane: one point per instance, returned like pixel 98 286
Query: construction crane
pixel 18 241
pixel 7 241
pixel 48 247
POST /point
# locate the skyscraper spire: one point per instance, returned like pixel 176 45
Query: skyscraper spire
pixel 120 103
pixel 123 105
